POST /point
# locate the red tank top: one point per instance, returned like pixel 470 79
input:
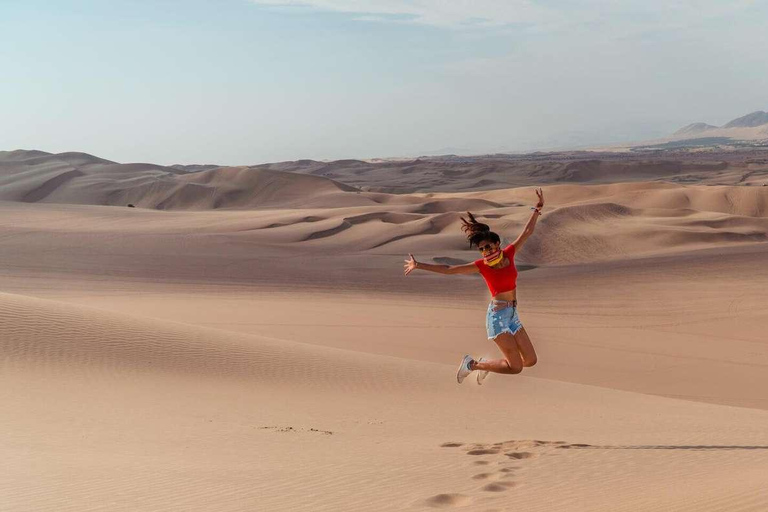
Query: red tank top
pixel 503 279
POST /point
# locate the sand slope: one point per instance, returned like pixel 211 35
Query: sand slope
pixel 693 319
pixel 245 338
pixel 77 178
pixel 201 419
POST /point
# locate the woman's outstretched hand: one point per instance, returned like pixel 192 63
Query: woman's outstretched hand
pixel 540 193
pixel 410 264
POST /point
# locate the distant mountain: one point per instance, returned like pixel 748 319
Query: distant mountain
pixel 694 129
pixel 752 120
pixel 749 131
pixel 758 118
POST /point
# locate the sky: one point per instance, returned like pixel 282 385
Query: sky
pixel 242 82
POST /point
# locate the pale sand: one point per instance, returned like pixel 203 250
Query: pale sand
pixel 277 359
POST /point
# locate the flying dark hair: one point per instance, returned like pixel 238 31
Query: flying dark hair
pixel 477 231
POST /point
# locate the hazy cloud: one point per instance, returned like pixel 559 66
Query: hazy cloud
pixel 457 14
pixel 430 12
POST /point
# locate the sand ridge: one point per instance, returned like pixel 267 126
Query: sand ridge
pixel 245 338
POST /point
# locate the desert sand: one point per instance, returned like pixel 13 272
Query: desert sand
pixel 244 339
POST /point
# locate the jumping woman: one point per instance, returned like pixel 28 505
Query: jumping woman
pixel 497 266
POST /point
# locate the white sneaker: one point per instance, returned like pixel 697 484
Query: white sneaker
pixel 464 369
pixel 481 374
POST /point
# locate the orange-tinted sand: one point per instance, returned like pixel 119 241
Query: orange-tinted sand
pixel 255 346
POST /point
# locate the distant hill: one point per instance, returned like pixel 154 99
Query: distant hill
pixel 758 118
pixel 752 120
pixel 693 129
pixel 746 132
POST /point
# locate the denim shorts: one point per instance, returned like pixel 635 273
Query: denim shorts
pixel 501 317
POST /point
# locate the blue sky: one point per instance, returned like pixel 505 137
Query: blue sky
pixel 246 82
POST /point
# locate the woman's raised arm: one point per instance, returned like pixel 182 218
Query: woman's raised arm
pixel 529 227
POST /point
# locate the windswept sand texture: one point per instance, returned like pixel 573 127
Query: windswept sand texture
pixel 244 339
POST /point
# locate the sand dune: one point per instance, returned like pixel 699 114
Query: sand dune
pixel 582 223
pixel 631 301
pixel 42 334
pixel 633 219
pixel 57 179
pixel 76 178
pixel 203 419
pixel 453 174
pixel 244 339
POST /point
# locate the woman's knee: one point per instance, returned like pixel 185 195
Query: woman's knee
pixel 530 361
pixel 515 367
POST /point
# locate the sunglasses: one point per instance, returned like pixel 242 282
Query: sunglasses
pixel 484 248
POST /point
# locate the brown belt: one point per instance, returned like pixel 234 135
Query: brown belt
pixel 503 304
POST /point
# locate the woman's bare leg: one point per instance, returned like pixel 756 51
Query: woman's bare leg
pixel 512 362
pixel 525 347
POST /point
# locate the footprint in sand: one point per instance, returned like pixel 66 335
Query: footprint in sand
pixel 503 478
pixel 448 500
pixel 484 451
pixel 519 455
pixel 498 486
